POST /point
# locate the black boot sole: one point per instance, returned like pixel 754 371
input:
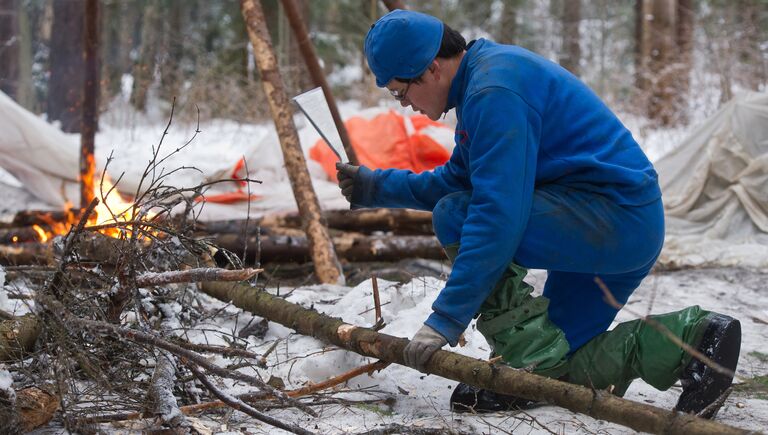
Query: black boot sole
pixel 702 385
pixel 466 398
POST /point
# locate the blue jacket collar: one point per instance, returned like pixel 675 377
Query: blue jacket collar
pixel 458 84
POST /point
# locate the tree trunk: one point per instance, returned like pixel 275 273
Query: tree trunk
pixel 9 47
pixel 170 70
pixel 571 51
pixel 90 103
pixel 316 71
pixel 642 44
pixel 65 85
pixel 25 94
pixel 597 404
pixel 144 68
pixel 685 23
pixel 507 33
pixel 662 106
pixel 327 267
pixel 394 4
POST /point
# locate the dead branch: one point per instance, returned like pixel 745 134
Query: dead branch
pixel 151 279
pixel 499 378
pixel 241 406
pixel 161 401
pixel 63 315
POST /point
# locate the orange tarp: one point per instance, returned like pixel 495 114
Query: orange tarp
pixel 383 142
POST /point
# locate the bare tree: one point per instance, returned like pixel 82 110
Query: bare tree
pixel 66 65
pixel 9 47
pixel 144 68
pixel 507 32
pixel 571 53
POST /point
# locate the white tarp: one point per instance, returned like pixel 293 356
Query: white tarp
pixel 40 156
pixel 715 188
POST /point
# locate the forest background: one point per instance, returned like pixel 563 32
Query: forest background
pixel 670 62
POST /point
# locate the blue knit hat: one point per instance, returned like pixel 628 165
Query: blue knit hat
pixel 402 44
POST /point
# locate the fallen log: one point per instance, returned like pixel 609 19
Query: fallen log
pixel 18 336
pixel 26 254
pixel 600 405
pixel 26 409
pixel 18 235
pixel 275 249
pixel 398 221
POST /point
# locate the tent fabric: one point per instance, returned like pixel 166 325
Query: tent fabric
pixel 391 140
pixel 715 187
pixel 43 158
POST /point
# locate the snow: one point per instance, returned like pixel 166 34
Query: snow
pixel 416 399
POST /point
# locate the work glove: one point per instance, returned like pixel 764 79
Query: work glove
pixel 346 174
pixel 426 342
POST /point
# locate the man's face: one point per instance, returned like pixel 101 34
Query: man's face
pixel 425 96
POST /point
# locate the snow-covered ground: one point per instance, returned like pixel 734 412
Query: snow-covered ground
pixel 406 396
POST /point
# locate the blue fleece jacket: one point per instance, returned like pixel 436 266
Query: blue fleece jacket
pixel 523 121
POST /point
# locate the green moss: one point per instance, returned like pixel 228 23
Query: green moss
pixel 756 387
pixel 374 408
pixel 763 357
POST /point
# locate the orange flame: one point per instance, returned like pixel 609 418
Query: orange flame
pixel 44 236
pixel 112 208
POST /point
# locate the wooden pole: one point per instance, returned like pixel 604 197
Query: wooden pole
pixel 483 374
pixel 316 72
pixel 327 266
pixel 90 102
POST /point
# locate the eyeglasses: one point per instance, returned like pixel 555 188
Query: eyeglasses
pixel 397 95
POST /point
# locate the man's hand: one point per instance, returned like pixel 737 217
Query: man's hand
pixel 426 342
pixel 346 174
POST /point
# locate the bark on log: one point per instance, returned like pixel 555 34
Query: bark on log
pixel 26 253
pixel 26 410
pixel 327 266
pixel 398 221
pixel 18 235
pixel 18 336
pixel 276 249
pixel 36 407
pixel 597 404
pixel 316 71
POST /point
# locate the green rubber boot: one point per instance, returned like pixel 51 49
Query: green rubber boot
pixel 635 349
pixel 517 327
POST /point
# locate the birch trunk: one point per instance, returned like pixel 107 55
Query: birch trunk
pixel 327 266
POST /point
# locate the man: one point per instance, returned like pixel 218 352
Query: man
pixel 543 176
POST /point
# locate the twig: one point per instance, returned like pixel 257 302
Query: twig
pixel 663 330
pixel 376 301
pixel 69 245
pixel 716 404
pixel 241 406
pixel 336 380
pixel 221 350
pixel 67 318
pixel 149 279
pixel 263 360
